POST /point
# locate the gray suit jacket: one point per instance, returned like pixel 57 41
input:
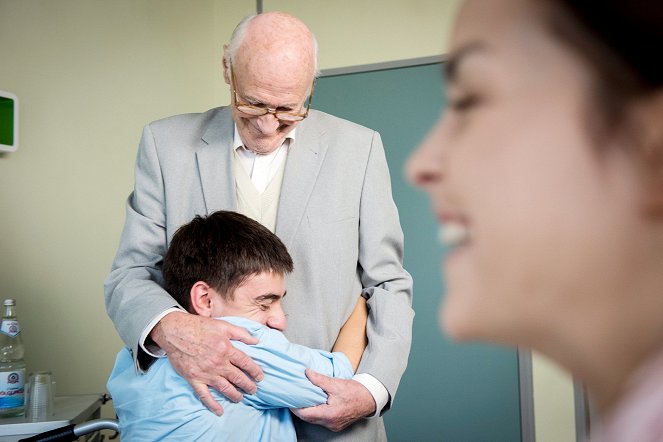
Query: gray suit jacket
pixel 336 216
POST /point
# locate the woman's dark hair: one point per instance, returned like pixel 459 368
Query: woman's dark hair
pixel 621 41
pixel 221 249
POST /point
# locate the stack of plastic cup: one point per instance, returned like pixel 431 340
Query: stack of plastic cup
pixel 39 403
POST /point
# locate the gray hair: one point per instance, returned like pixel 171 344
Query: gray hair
pixel 240 31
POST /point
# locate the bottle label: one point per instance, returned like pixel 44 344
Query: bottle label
pixel 10 328
pixel 12 389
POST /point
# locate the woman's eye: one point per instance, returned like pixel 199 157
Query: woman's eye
pixel 464 103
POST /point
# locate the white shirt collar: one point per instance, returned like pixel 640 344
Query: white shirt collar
pixel 237 140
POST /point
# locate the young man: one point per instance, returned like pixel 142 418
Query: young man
pixel 228 266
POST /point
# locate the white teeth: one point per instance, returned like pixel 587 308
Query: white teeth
pixel 453 234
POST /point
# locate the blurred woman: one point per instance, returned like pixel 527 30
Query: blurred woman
pixel 546 175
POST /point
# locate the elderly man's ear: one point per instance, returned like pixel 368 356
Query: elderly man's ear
pixel 202 299
pixel 225 61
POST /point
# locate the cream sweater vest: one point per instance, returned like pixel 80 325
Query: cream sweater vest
pixel 260 207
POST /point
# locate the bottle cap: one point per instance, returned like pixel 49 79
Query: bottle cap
pixel 9 302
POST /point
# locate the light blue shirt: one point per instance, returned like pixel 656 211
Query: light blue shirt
pixel 161 405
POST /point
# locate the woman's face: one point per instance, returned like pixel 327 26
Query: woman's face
pixel 541 222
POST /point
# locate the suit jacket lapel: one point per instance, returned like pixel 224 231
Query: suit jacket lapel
pixel 215 163
pixel 302 167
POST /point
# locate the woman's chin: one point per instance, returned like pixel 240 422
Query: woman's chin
pixel 453 323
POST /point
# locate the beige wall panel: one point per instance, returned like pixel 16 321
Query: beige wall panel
pixel 358 32
pixel 554 409
pixel 89 75
pixel 227 13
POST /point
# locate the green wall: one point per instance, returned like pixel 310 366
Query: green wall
pixel 450 392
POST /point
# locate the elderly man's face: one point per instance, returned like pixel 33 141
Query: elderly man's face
pixel 279 86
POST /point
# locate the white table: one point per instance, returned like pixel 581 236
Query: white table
pixel 67 410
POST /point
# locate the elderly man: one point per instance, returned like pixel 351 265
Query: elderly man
pixel 319 182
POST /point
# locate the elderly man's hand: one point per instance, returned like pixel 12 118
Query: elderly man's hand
pixel 200 350
pixel 348 402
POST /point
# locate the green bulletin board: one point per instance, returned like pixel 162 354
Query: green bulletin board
pixel 450 392
pixel 7 121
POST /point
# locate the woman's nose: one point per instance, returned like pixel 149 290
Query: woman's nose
pixel 425 166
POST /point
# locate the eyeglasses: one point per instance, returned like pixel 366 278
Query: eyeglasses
pixel 257 111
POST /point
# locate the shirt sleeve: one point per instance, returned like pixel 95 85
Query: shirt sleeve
pixel 152 349
pixel 284 364
pixel 377 390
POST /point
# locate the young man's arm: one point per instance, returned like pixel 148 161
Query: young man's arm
pixel 352 340
pixel 284 363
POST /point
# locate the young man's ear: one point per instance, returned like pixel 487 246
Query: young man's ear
pixel 202 298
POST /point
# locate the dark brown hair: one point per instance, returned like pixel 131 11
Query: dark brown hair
pixel 221 249
pixel 620 40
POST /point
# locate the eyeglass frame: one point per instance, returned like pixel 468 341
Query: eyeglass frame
pixel 268 110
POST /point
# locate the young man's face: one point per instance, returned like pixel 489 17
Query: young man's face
pixel 258 299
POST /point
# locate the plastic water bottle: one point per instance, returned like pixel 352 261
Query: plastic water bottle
pixel 12 365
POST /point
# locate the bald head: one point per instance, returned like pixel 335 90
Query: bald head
pixel 271 38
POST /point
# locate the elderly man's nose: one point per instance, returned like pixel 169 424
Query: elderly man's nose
pixel 268 123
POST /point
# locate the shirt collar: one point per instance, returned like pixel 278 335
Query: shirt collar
pixel 237 140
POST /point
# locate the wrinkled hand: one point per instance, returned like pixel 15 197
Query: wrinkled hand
pixel 348 402
pixel 200 350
